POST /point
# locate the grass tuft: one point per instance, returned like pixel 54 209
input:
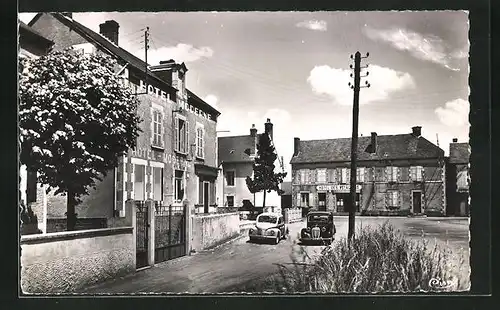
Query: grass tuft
pixel 380 260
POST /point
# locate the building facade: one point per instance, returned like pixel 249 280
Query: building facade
pixel 32 45
pixel 175 160
pixel 396 175
pixel 458 179
pixel 236 155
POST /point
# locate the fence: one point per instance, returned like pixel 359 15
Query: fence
pixel 292 215
pixel 211 230
pixel 60 224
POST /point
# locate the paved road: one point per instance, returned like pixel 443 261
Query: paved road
pixel 229 266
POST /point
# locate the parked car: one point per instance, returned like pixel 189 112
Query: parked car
pixel 320 228
pixel 269 226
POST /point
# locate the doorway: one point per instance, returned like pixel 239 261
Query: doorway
pixel 417 202
pixel 205 196
pixel 321 201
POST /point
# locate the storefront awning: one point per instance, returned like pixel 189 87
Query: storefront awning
pixel 206 171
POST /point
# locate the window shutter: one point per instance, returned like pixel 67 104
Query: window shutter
pixel 152 126
pixel 387 174
pixel 160 129
pixel 348 175
pixel 327 177
pixel 398 174
pixel 312 174
pixel 306 176
pixel 311 200
pixel 176 134
pixel 298 200
pixel 200 192
pixel 186 148
pixel 202 143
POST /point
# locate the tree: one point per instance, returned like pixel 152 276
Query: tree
pixel 75 120
pixel 265 179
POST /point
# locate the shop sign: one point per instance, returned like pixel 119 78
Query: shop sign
pixel 178 162
pixel 337 188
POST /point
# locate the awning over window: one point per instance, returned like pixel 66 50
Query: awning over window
pixel 206 171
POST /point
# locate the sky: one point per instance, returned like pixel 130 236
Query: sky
pixel 293 67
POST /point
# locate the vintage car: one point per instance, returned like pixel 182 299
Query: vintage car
pixel 320 228
pixel 269 226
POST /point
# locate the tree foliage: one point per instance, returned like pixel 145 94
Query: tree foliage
pixel 75 119
pixel 265 179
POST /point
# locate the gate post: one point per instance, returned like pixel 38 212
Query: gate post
pixel 151 231
pixel 188 218
pixel 130 209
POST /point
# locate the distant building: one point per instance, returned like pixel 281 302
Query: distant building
pixel 396 175
pixel 458 179
pixel 236 157
pixel 286 197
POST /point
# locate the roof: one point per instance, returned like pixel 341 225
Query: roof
pixel 287 188
pixel 24 29
pixel 235 149
pixel 459 153
pixel 402 146
pixel 119 52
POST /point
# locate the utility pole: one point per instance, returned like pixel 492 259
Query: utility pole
pixel 146 48
pixel 354 141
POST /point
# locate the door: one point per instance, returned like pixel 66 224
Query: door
pixel 322 201
pixel 417 202
pixel 205 196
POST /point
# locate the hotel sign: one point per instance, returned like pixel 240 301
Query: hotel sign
pixel 177 162
pixel 337 188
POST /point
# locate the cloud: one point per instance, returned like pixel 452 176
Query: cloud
pixel 180 53
pixel 333 82
pixel 455 113
pixel 318 25
pixel 212 100
pixel 426 47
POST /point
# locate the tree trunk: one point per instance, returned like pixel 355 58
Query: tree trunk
pixel 264 200
pixel 70 214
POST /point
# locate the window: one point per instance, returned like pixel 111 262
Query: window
pixel 360 175
pixel 230 201
pixel 392 199
pixel 200 135
pixel 416 173
pixel 181 135
pixel 304 176
pixel 157 183
pixel 332 176
pixel 157 137
pixel 321 175
pixel 344 175
pixel 392 174
pixel 179 186
pixel 462 181
pixel 230 178
pixel 139 182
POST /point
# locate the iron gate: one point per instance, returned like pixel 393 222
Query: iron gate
pixel 142 234
pixel 170 232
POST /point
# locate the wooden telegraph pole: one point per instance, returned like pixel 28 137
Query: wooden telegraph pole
pixel 354 141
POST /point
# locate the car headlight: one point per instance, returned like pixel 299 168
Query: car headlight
pixel 323 229
pixel 308 229
pixel 271 232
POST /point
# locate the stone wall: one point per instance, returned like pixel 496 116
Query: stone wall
pixel 211 230
pixel 68 261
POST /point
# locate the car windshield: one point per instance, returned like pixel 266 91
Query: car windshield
pixel 267 219
pixel 318 218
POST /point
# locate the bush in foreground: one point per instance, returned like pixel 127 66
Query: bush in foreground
pixel 379 260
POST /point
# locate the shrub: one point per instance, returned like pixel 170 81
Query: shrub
pixel 379 260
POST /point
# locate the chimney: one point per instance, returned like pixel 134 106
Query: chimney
pixel 165 71
pixel 253 131
pixel 455 140
pixel 109 29
pixel 374 142
pixel 268 126
pixel 417 131
pixel 296 146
